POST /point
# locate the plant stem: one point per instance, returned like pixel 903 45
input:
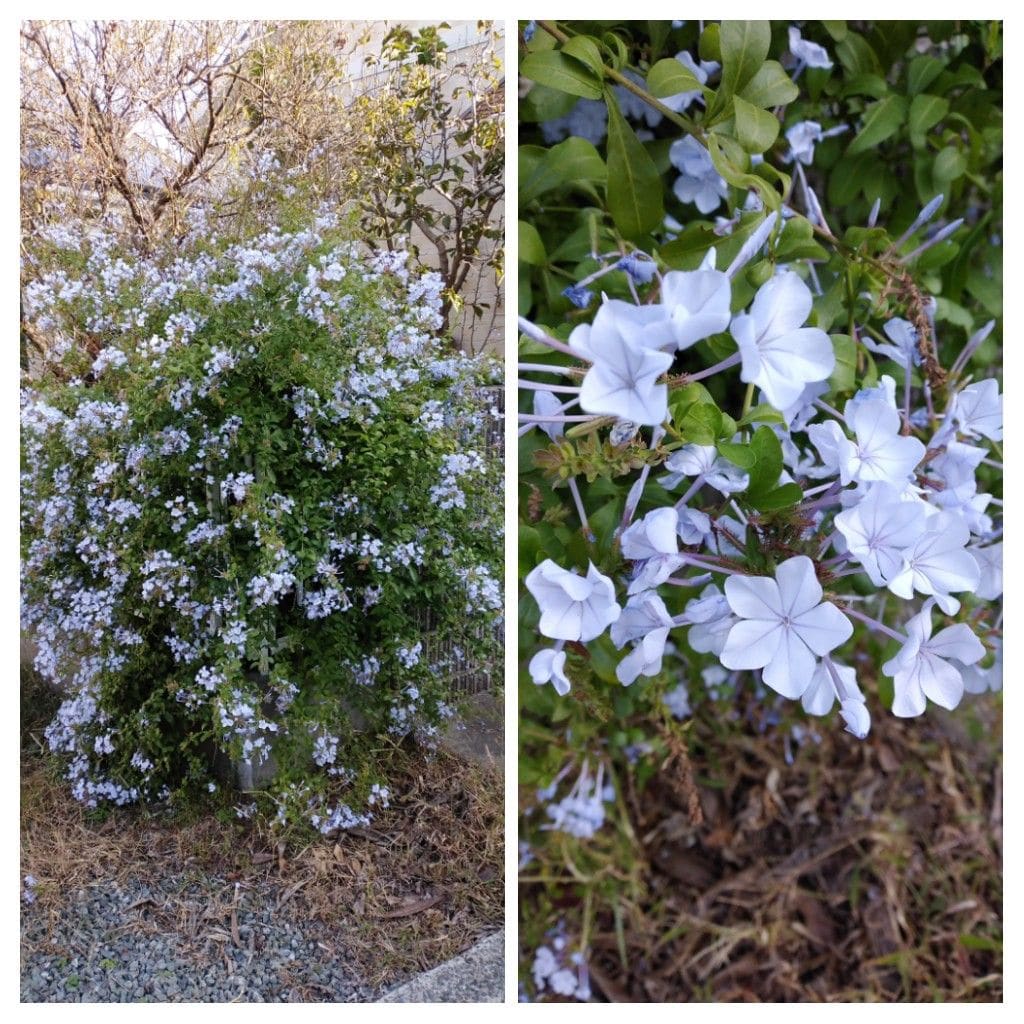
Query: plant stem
pixel 688 126
pixel 875 624
pixel 725 364
pixel 748 399
pixel 532 385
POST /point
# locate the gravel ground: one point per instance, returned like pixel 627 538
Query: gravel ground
pixel 182 940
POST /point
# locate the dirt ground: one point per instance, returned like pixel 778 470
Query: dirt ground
pixel 419 886
pixel 860 872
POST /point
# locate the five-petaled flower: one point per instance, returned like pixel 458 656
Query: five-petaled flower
pixel 572 607
pixel 780 355
pixel 924 667
pixel 783 625
pixel 623 343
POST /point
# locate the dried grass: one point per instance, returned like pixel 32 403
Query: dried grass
pixel 419 887
pixel 862 872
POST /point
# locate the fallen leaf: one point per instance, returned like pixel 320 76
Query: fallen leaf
pixel 416 907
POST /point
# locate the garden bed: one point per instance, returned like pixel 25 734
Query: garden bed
pixel 231 913
pixel 859 872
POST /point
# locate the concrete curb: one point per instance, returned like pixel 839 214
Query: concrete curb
pixel 476 976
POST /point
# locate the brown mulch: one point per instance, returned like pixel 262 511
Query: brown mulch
pixel 860 872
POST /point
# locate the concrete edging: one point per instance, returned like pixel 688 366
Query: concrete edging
pixel 476 976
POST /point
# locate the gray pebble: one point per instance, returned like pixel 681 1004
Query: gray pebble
pixel 101 962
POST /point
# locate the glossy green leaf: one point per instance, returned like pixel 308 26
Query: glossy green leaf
pixel 770 86
pixel 756 129
pixel 778 497
pixel 922 72
pixel 844 376
pixel 669 78
pixel 741 455
pixel 726 161
pixel 949 165
pixel 855 54
pixel 866 84
pixel 744 46
pixel 709 47
pixel 558 71
pixel 586 50
pixel 882 119
pixel 575 159
pixel 761 414
pixel 635 198
pixel 531 248
pixel 701 424
pixel 925 112
pixel 766 471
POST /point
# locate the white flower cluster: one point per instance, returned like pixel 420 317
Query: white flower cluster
pixel 447 494
pixel 560 969
pixel 903 512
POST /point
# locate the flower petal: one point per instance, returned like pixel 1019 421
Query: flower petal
pixel 941 682
pixel 752 643
pixel 799 589
pixel 754 597
pixel 957 642
pixel 781 305
pixel 791 670
pixel 823 628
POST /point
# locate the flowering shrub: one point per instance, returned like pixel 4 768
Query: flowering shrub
pixel 249 468
pixel 760 444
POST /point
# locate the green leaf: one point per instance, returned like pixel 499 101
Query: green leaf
pixel 767 450
pixel 524 293
pixel 575 159
pixel 921 73
pixel 949 165
pixel 770 86
pixel 797 242
pixel 881 120
pixel 844 376
pixel 778 497
pixel 855 54
pixel 744 47
pixel 709 47
pixel 741 455
pixel 620 52
pixel 603 661
pixel 531 248
pixel 658 33
pixel 761 414
pixel 701 424
pixel 586 50
pixel 953 313
pixel 726 160
pixel 530 550
pixel 605 521
pixel 544 104
pixel 836 29
pixel 558 71
pixel 926 112
pixel 682 398
pixel 669 77
pixel 635 198
pixel 688 248
pixel 756 129
pixel 866 84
